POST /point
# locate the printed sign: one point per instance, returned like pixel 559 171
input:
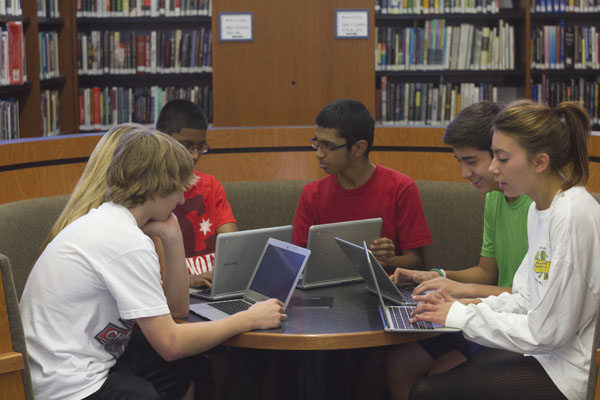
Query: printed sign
pixel 351 24
pixel 235 27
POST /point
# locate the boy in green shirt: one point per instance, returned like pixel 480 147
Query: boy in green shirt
pixel 504 246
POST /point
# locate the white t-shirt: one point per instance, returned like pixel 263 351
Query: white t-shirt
pixel 551 313
pixel 82 298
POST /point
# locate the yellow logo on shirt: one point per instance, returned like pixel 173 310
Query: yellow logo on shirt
pixel 541 266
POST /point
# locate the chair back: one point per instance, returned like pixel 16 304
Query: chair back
pixel 14 322
pixel 24 226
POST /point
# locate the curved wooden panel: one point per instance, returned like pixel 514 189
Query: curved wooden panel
pixel 45 149
pixel 261 166
pixel 43 167
pixel 240 138
pixel 50 166
pixel 274 341
pixel 39 182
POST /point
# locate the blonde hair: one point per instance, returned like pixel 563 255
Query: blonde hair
pixel 147 162
pixel 561 132
pixel 90 191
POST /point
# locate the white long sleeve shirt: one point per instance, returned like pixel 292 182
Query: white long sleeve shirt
pixel 551 313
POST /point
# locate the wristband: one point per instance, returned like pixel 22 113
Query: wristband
pixel 440 271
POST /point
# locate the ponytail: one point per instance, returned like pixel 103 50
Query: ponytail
pixel 573 115
pixel 560 132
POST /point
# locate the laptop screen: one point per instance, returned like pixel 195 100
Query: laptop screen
pixel 281 263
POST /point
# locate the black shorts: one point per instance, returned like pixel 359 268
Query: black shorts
pixel 439 345
pixel 140 373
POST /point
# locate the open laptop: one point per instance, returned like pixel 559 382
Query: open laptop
pixel 275 276
pixel 400 295
pixel 236 255
pixel 327 264
pixel 397 318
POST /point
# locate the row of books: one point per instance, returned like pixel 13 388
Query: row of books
pixel 9 119
pixel 48 9
pixel 560 47
pixel 438 46
pixel 49 55
pixel 102 108
pixel 11 7
pixel 569 6
pixel 428 103
pixel 129 52
pixel 12 54
pixel 50 113
pixel 141 8
pixel 436 6
pixel 584 90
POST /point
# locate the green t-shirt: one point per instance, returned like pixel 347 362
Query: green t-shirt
pixel 505 233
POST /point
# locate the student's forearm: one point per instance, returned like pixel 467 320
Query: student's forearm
pixel 466 302
pixel 228 227
pixel 471 275
pixel 411 259
pixel 176 280
pixel 173 341
pixel 199 337
pixel 474 290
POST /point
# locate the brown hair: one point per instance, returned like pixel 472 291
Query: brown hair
pixel 147 163
pixel 560 132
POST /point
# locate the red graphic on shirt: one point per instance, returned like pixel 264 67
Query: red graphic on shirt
pixel 114 338
pixel 199 233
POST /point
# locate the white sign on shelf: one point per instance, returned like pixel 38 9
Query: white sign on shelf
pixel 351 24
pixel 235 27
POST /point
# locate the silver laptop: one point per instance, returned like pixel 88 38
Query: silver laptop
pixel 236 255
pixel 389 290
pixel 327 264
pixel 275 276
pixel 397 318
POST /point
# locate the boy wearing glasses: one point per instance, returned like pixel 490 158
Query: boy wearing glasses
pixel 206 211
pixel 356 188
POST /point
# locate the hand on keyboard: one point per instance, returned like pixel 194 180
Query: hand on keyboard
pixel 432 307
pixel 266 314
pixel 403 276
pixel 202 280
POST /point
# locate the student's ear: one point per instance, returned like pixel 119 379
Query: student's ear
pixel 541 162
pixel 359 148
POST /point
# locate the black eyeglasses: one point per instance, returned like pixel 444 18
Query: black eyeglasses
pixel 325 146
pixel 201 148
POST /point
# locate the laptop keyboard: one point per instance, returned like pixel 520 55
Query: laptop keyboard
pixel 231 307
pixel 406 291
pixel 201 293
pixel 401 319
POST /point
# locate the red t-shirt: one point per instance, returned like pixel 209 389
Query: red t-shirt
pixel 204 210
pixel 387 194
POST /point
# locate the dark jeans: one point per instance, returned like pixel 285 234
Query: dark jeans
pixel 140 373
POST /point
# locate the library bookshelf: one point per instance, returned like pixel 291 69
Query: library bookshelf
pixel 29 94
pixel 430 65
pixel 565 49
pixel 294 65
pixel 128 66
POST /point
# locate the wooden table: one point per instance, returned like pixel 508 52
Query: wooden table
pixel 353 322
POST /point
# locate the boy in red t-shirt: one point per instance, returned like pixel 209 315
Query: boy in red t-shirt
pixel 206 211
pixel 356 188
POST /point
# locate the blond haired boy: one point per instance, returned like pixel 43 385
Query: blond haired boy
pixel 100 277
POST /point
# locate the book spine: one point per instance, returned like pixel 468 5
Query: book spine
pixel 15 52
